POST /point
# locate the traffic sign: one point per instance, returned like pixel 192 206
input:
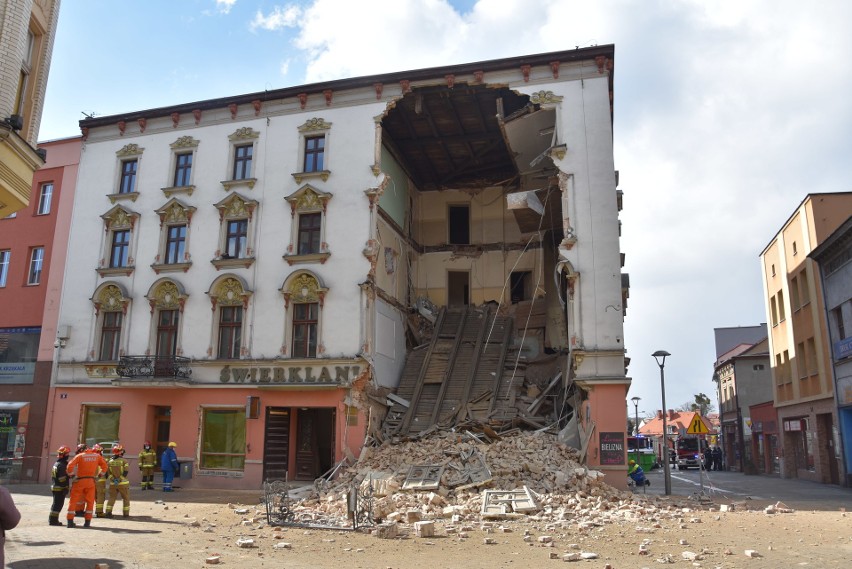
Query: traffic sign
pixel 697 426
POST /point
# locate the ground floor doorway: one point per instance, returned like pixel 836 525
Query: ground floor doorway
pixel 299 436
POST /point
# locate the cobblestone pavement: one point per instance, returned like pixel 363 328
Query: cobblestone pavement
pixel 118 542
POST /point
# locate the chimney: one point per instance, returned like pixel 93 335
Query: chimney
pixel 671 414
pixel 659 414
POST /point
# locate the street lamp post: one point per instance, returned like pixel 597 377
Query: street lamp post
pixel 660 357
pixel 636 407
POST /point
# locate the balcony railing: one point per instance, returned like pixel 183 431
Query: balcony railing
pixel 153 367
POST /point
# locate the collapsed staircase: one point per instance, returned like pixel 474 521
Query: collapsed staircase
pixel 461 374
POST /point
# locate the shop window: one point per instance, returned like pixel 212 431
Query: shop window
pixel 129 162
pixel 308 208
pixel 229 296
pixel 18 353
pixel 304 297
pixel 223 438
pixel 236 232
pixel 173 256
pixel 241 159
pixel 313 150
pixel 111 304
pixel 100 424
pixel 119 243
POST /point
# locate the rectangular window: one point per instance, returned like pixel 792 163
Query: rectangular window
pixel 110 336
pixel 183 169
pixel 119 250
pixel 242 161
pixel 223 439
pixel 458 217
pixel 802 363
pixel 794 294
pixel 804 290
pixel 235 239
pixel 519 283
pixel 837 312
pixel 305 330
pixel 230 332
pixel 813 364
pixel 127 183
pixel 310 225
pixel 5 256
pixel 773 308
pixel 782 316
pixel 44 197
pixel 100 424
pixel 167 329
pixel 36 263
pixel 24 80
pixel 314 153
pixel 175 244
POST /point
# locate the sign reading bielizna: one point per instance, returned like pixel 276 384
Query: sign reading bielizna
pixel 612 448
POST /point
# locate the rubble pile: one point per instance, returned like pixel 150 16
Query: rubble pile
pixel 560 488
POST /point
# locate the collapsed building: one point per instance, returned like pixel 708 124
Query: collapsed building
pixel 277 280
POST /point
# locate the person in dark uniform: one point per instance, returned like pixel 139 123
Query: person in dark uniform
pixel 717 458
pixel 708 458
pixel 60 484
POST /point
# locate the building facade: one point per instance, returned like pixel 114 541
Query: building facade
pixel 27 30
pixel 834 256
pixel 241 271
pixel 743 379
pixel 799 345
pixel 32 262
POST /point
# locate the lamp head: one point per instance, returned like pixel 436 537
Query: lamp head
pixel 660 354
pixel 636 400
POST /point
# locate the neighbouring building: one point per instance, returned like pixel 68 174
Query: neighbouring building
pixel 32 261
pixel 742 376
pixel 834 256
pixel 243 273
pixel 799 344
pixel 27 30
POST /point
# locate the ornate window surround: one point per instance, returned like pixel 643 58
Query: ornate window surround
pixel 241 137
pixel 165 294
pixel 307 199
pixel 173 212
pixel 302 287
pixel 127 152
pixel 313 127
pixel 235 206
pixel 228 290
pixel 109 296
pixel 117 219
pixel 180 146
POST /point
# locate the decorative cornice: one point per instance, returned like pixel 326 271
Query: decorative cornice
pixel 302 176
pixel 320 258
pixel 131 149
pixel 184 142
pixel 244 262
pixel 244 133
pixel 315 124
pixel 542 97
pixel 128 196
pixel 171 267
pixel 245 182
pixel 169 192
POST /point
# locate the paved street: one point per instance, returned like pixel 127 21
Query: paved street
pixel 124 544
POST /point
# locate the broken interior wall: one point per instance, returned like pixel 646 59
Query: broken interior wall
pixel 489 265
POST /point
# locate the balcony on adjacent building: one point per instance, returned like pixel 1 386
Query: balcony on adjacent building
pixel 153 367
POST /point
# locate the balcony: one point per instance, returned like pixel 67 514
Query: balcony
pixel 153 367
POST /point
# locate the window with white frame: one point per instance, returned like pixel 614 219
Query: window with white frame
pixel 45 196
pixel 308 208
pixel 304 296
pixel 119 242
pixel 173 251
pixel 184 151
pixel 129 158
pixel 229 297
pixel 223 438
pixel 5 257
pixel 100 424
pixel 110 307
pixel 36 265
pixel 236 232
pixel 167 299
pixel 243 148
pixel 313 150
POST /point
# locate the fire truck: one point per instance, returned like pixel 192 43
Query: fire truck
pixel 689 451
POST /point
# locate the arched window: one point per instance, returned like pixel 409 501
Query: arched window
pixel 304 296
pixel 229 297
pixel 111 302
pixel 167 299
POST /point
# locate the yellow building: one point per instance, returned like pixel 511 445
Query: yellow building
pixel 799 345
pixel 27 30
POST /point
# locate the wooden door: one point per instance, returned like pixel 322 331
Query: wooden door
pixel 276 446
pixel 162 429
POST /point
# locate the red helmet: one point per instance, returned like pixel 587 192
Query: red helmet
pixel 63 451
pixel 147 444
pixel 80 448
pixel 118 450
pixel 97 448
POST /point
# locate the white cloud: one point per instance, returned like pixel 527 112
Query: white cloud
pixel 224 6
pixel 280 17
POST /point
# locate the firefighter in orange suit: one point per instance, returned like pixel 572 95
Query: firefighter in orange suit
pixel 118 482
pixel 84 468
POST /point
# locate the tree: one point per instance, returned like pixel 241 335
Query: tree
pixel 700 405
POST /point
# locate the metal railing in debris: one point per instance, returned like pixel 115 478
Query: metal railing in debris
pixel 280 510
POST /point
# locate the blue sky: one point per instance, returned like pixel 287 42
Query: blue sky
pixel 727 114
